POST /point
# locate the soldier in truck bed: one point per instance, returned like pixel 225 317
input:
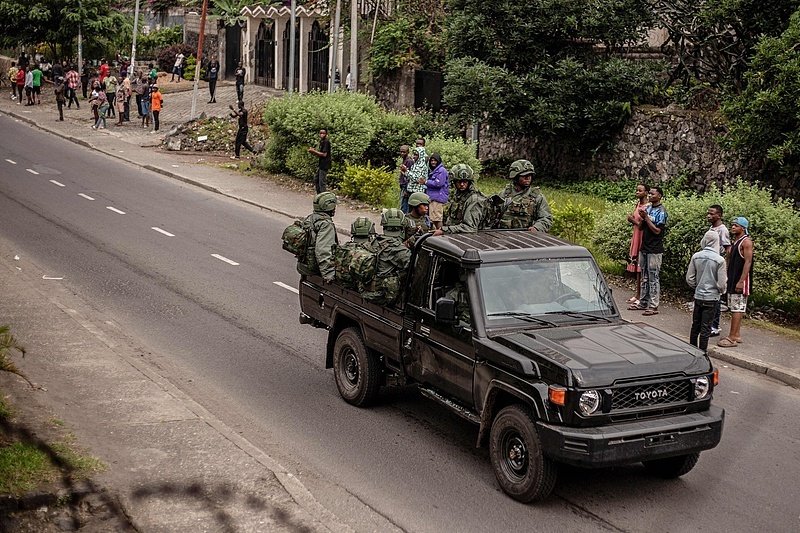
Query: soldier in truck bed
pixel 524 206
pixel 464 211
pixel 417 220
pixel 323 238
pixel 393 260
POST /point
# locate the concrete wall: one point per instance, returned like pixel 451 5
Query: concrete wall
pixel 213 35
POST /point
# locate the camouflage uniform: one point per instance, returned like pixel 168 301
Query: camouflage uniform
pixel 527 208
pixel 464 213
pixel 362 232
pixel 393 260
pixel 323 238
pixel 459 295
pixel 415 224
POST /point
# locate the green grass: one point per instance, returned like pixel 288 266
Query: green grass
pixel 23 467
pixel 5 410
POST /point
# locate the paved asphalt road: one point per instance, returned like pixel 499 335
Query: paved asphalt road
pixel 195 278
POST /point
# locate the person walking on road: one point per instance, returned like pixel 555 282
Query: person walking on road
pixel 155 105
pixel 240 113
pixel 240 72
pixel 59 89
pixel 29 85
pixel 213 74
pixel 707 276
pixel 21 75
pixel 324 155
pixel 102 107
pixel 73 80
pixel 651 253
pixel 111 93
pixel 740 267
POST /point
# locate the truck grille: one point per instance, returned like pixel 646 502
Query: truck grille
pixel 649 395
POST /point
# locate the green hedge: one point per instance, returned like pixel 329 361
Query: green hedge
pixel 454 151
pixel 774 226
pixel 367 183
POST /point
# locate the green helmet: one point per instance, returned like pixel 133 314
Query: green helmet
pixel 324 202
pixel 362 227
pixel 462 171
pixel 418 198
pixel 392 220
pixel 520 167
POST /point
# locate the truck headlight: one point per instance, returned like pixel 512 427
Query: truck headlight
pixel 589 402
pixel 701 387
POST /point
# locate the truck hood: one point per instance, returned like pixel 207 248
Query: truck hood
pixel 597 355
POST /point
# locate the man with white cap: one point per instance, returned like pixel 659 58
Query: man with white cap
pixel 740 266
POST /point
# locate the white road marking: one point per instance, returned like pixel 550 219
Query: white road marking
pixel 161 231
pixel 32 171
pixel 115 210
pixel 287 287
pixel 85 196
pixel 54 182
pixel 48 277
pixel 11 161
pixel 176 166
pixel 223 258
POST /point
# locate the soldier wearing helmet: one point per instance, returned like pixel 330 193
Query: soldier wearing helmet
pixel 524 206
pixel 464 212
pixel 393 260
pixel 362 230
pixel 323 238
pixel 417 219
pixel 362 233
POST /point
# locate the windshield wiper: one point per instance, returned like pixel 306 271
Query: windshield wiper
pixel 526 317
pixel 578 314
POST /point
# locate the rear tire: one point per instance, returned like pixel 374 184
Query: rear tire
pixel 355 369
pixel 522 471
pixel 672 467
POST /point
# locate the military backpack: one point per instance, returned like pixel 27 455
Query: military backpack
pixel 343 261
pixel 296 238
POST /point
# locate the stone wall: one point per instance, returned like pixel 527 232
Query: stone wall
pixel 396 89
pixel 655 145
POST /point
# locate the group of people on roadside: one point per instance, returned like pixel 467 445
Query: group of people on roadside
pixel 723 266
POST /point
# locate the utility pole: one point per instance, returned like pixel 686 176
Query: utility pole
pixel 335 56
pixel 132 68
pixel 80 38
pixel 199 57
pixel 354 45
pixel 292 37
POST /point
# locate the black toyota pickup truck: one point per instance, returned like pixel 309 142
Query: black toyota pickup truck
pixel 517 332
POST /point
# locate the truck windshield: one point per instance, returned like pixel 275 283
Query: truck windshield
pixel 572 287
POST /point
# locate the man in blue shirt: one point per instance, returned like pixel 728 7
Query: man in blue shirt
pixel 654 222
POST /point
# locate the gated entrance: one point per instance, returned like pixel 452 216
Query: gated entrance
pixel 296 69
pixel 233 49
pixel 265 54
pixel 318 45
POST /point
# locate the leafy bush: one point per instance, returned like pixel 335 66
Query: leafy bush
pixel 454 151
pixel 149 44
pixel 774 226
pixel 166 57
pixel 190 67
pixel 302 164
pixel 367 183
pixel 295 120
pixel 572 221
pixel 393 130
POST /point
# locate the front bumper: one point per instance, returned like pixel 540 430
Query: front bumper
pixel 632 442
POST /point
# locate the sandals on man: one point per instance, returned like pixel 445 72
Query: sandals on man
pixel 633 300
pixel 650 312
pixel 636 307
pixel 727 342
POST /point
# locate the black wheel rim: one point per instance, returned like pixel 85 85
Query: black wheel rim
pixel 350 367
pixel 514 458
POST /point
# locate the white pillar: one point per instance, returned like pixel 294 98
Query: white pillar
pixel 280 52
pixel 305 29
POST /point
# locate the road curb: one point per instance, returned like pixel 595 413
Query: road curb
pixel 785 375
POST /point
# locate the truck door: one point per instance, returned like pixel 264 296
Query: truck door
pixel 441 355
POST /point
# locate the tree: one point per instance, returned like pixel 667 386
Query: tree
pixel 55 23
pixel 713 40
pixel 546 68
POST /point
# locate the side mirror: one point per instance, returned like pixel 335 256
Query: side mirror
pixel 446 311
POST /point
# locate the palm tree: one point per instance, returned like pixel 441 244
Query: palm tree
pixel 7 343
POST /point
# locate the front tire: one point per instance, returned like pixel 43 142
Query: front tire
pixel 355 369
pixel 522 471
pixel 672 467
